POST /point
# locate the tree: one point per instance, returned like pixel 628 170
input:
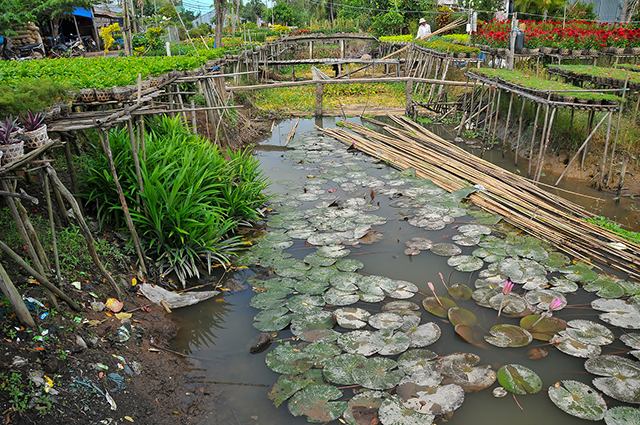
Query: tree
pixel 220 7
pixel 56 10
pixel 14 12
pixel 253 10
pixel 283 14
pixel 540 7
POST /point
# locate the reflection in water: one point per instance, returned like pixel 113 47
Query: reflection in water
pixel 218 333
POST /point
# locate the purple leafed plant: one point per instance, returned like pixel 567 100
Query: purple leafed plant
pixel 32 121
pixel 7 127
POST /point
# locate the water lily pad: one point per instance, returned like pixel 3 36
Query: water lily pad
pixel 465 263
pixel 338 369
pixel 606 287
pixel 287 359
pixel 519 379
pixel 458 315
pixel 446 249
pixel 544 329
pixel 392 412
pixel 513 303
pixel 464 240
pixel 288 385
pixel 321 353
pixel 490 255
pixel 362 409
pixel 305 326
pixel 336 297
pixel 575 348
pixel 404 290
pixel 347 265
pixel 416 360
pixel 631 340
pixel 529 250
pixel 421 378
pixel 272 320
pixel 474 230
pixel 365 343
pixel 420 244
pixel 541 298
pixel 321 274
pixel 345 281
pixel 440 309
pixel 316 260
pixel 579 273
pixel 305 304
pixel 563 285
pixel 622 415
pixel 578 399
pixel 333 251
pixel 555 261
pixel 460 292
pixel 320 239
pixel 508 336
pixel 314 402
pixel 311 287
pixel 394 342
pixel 386 321
pixel 378 373
pixel 461 369
pixel 269 300
pixel 620 377
pixel 377 285
pixel 352 317
pixel 436 401
pixel 521 270
pixel 424 335
pixel 589 332
pixel 402 308
pixel 471 335
pixel 620 313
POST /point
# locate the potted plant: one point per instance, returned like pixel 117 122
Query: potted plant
pixel 35 129
pixel 10 147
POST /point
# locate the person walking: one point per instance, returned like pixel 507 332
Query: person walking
pixel 424 29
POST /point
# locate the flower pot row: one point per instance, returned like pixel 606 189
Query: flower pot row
pixel 14 146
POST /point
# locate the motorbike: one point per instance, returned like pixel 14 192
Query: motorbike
pixel 71 48
pixel 89 43
pixel 28 51
pixel 6 49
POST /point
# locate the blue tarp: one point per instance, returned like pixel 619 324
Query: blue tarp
pixel 79 11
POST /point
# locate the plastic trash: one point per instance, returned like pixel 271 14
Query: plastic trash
pixel 76 285
pixel 97 306
pixel 156 294
pixel 114 305
pixel 118 380
pixel 81 342
pixel 123 334
pixel 110 400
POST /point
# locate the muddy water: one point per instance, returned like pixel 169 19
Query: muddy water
pixel 217 333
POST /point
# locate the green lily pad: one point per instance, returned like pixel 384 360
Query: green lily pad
pixel 316 260
pixel 631 340
pixel 337 297
pixel 519 379
pixel 471 335
pixel 272 320
pixel 620 377
pixel 345 281
pixel 393 412
pixel 394 342
pixel 288 360
pixel 365 343
pixel 333 251
pixel 314 402
pixel 403 308
pixel 311 287
pixel 305 304
pixel 622 415
pixel 362 409
pixel 339 369
pixel 575 348
pixel 435 401
pixel 465 240
pixel 419 244
pixel 352 317
pixel 346 265
pixel 461 369
pixel 404 290
pixel 513 304
pixel 563 285
pixel 321 353
pixel 432 305
pixel 529 250
pixel 377 285
pixel 465 263
pixel 386 321
pixel 555 261
pixel 521 270
pixel 378 373
pixel 490 255
pixel 508 336
pixel 473 230
pixel 589 332
pixel 416 360
pixel 619 312
pixel 541 298
pixel 460 292
pixel 446 249
pixel 321 274
pixel 305 326
pixel 579 400
pixel 424 335
pixel 291 270
pixel 269 300
pixel 288 385
pixel 543 330
pixel 461 316
pixel 579 273
pixel 606 287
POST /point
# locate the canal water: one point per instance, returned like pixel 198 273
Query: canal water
pixel 217 333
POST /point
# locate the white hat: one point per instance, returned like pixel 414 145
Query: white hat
pixel 421 21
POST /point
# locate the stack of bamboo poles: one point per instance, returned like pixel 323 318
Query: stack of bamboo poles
pixel 518 200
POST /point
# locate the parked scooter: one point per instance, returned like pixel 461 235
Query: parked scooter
pixel 6 49
pixel 31 51
pixel 89 43
pixel 71 48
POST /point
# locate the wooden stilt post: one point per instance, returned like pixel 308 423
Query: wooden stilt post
pixel 544 132
pixel 495 123
pixel 464 107
pixel 480 104
pixel 592 114
pixel 623 171
pixel 524 101
pixel 194 123
pixel 54 243
pixel 134 153
pixel 71 168
pixel 408 91
pixel 319 96
pixel 12 294
pixel 489 114
pixel 143 145
pixel 506 127
pixel 533 139
pixel 615 139
pixel 544 146
pixel 604 155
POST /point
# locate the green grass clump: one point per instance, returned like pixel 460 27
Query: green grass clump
pixel 616 228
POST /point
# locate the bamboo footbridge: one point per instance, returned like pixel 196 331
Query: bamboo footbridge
pixel 521 203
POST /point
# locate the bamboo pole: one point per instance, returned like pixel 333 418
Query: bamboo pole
pixel 533 139
pixel 544 147
pixel 12 294
pixel 623 171
pixel 542 137
pixel 194 123
pixel 52 225
pixel 506 127
pixel 524 101
pixel 495 123
pixel 615 139
pixel 480 104
pixel 134 153
pixel 604 154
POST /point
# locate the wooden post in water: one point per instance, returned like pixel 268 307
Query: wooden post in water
pixel 615 139
pixel 544 146
pixel 506 127
pixel 592 114
pixel 524 101
pixel 319 96
pixel 533 139
pixel 604 155
pixel 480 104
pixel 495 124
pixel 544 130
pixel 623 171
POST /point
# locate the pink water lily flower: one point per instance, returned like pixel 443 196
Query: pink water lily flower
pixel 555 304
pixel 508 286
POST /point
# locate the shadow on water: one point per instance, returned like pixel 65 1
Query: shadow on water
pixel 217 333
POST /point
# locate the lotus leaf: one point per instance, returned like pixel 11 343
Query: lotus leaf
pixel 473 230
pixel 620 313
pixel 541 298
pixel 458 315
pixel 471 335
pixel 404 290
pixel 513 304
pixel 272 320
pixel 392 412
pixel 338 369
pixel 432 305
pixel 521 270
pixel 531 251
pixel 416 360
pixel 352 318
pixel 365 343
pixel 578 399
pixel 622 415
pixel 563 285
pixel 519 379
pixel 424 335
pixel 579 273
pixel 575 348
pixel 508 336
pixel 287 360
pixel 332 251
pixel 465 263
pixel 314 402
pixel 544 329
pixel 377 285
pixel 386 320
pixel 362 409
pixel 631 340
pixel 394 342
pixel 321 353
pixel 288 385
pixel 316 260
pixel 460 292
pixel 402 308
pixel 589 332
pixel 305 304
pixel 445 249
pixel 420 244
pixel 378 373
pixel 337 297
pixel 305 326
pixel 606 287
pixel 436 401
pixel 311 287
